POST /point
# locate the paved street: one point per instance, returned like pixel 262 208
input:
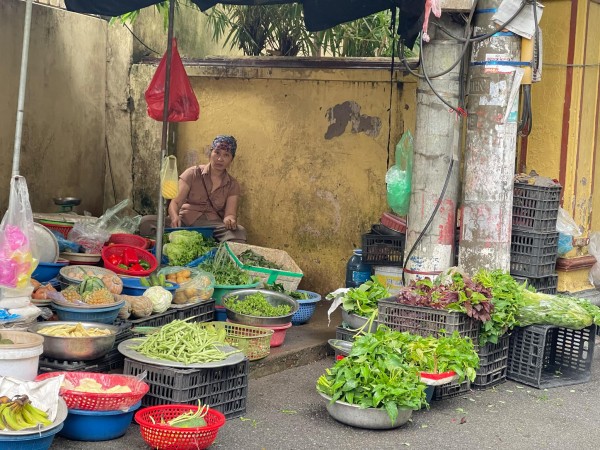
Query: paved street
pixel 510 417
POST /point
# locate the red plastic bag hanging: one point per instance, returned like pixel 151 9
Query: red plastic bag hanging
pixel 183 105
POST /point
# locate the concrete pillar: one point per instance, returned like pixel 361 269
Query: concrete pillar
pixel 489 148
pixel 437 141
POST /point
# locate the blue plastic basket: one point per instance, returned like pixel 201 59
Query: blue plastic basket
pixel 97 425
pixel 99 315
pixel 195 263
pixel 132 286
pixel 30 441
pixel 204 231
pixel 46 271
pixel 307 308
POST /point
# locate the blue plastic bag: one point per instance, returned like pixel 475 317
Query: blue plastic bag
pixel 66 246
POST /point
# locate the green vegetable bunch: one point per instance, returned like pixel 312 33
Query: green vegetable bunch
pixel 374 375
pixel 253 259
pixel 186 246
pixel 278 287
pixel 256 305
pixel 185 342
pixel 227 273
pixel 363 299
pixel 507 297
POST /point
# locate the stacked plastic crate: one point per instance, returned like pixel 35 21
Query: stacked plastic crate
pixel 534 242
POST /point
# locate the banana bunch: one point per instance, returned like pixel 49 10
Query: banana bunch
pixel 19 413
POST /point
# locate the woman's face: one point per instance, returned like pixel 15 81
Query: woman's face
pixel 220 158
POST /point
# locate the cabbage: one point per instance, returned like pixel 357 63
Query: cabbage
pixel 161 298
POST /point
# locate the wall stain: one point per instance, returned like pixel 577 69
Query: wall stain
pixel 349 112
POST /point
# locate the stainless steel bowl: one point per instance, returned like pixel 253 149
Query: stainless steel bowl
pixel 274 298
pixel 76 348
pixel 369 418
pixel 355 321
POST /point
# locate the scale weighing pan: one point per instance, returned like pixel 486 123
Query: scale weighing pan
pixel 67 201
pixel 137 356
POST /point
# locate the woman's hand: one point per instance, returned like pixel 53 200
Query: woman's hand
pixel 175 222
pixel 230 222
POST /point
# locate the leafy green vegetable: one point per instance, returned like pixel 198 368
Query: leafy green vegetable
pixel 256 305
pixel 227 273
pixel 186 246
pixel 563 311
pixel 251 258
pixel 363 299
pixel 507 297
pixel 278 287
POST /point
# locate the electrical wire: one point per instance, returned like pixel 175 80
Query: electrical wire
pixel 460 58
pixel 139 40
pixel 526 121
pixel 428 224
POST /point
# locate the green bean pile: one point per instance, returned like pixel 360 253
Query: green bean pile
pixel 185 342
pixel 256 305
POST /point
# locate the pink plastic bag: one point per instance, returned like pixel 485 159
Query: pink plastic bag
pixel 434 6
pixel 18 253
pixel 183 105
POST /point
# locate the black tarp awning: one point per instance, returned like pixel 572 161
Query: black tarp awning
pixel 318 14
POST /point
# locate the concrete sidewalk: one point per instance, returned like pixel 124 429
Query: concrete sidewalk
pixel 509 417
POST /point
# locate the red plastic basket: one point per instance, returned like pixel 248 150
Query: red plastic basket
pixel 88 401
pixel 279 332
pixel 164 437
pixel 62 229
pixel 129 239
pixel 118 250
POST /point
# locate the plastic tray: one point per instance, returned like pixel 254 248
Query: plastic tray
pixel 545 356
pixel 533 254
pixel 381 249
pixel 225 388
pixel 201 312
pixel 425 321
pixel 544 285
pixel 451 390
pixel 493 359
pixel 535 208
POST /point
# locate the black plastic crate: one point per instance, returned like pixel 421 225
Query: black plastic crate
pixel 546 356
pixel 224 388
pixel 493 359
pixel 544 285
pixel 382 249
pixel 343 334
pixel 155 320
pixel 533 254
pixel 109 362
pixel 201 312
pixel 425 321
pixel 535 208
pixel 451 390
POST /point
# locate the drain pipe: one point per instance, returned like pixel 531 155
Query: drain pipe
pixel 22 86
pixel 490 146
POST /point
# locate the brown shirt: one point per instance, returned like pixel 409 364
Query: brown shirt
pixel 196 204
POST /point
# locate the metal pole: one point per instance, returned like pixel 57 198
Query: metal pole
pixel 22 86
pixel 437 142
pixel 490 148
pixel 160 225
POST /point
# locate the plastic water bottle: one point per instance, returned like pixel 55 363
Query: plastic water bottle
pixel 357 273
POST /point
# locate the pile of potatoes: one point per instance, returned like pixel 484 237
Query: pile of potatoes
pixel 192 289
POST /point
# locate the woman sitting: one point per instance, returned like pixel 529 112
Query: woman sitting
pixel 208 196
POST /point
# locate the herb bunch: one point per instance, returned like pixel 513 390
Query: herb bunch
pixel 256 305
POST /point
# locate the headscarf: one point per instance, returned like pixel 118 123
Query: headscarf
pixel 225 142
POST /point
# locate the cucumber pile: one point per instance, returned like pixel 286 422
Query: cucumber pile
pixel 154 280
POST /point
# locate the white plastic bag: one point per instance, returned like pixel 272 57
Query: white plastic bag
pixel 567 229
pixel 594 250
pixel 15 302
pixel 18 252
pixel 89 236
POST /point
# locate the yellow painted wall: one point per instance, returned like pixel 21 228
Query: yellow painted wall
pixel 544 144
pixel 305 194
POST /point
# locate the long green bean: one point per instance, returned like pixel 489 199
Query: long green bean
pixel 185 342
